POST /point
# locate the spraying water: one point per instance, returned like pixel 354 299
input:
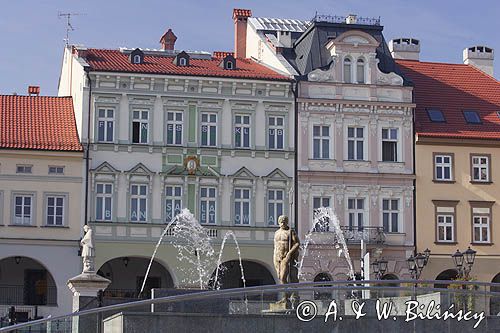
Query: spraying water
pixel 323 217
pixel 216 281
pixel 154 253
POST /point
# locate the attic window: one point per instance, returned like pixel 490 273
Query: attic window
pixel 229 65
pixel 182 62
pixel 472 117
pixel 436 116
pixel 137 59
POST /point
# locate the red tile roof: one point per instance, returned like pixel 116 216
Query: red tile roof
pixel 116 61
pixel 38 122
pixel 453 88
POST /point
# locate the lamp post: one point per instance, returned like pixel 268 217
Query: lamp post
pixel 379 267
pixel 464 262
pixel 417 263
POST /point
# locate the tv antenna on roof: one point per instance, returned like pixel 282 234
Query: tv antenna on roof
pixel 69 27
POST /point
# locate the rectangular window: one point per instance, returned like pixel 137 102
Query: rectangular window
pixel 390 144
pixel 446 226
pixel 390 215
pixel 355 143
pixel 105 125
pixel 208 205
pixel 21 168
pixel 275 206
pixel 242 131
pixel 480 169
pixel 443 167
pixel 103 202
pixel 174 128
pixel 138 203
pixel 481 226
pixel 276 132
pixel 55 210
pixel 318 202
pixel 173 202
pixel 241 206
pixel 209 129
pixel 321 142
pixel 23 208
pixel 56 170
pixel 356 212
pixel 140 126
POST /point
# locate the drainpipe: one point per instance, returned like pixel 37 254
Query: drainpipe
pixel 87 146
pixel 295 90
pixel 414 182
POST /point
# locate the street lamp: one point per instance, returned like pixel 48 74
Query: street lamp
pixel 469 257
pixel 375 268
pixel 458 258
pixel 427 254
pixel 417 263
pixel 411 266
pixel 382 266
pixel 420 261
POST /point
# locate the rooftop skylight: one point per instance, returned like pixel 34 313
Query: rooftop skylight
pixel 435 115
pixel 472 117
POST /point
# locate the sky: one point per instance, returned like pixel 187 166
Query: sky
pixel 32 35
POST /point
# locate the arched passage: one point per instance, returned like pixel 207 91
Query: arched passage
pixel 388 292
pixel 229 275
pixel 320 295
pixel 25 281
pixel 495 301
pixel 449 274
pixel 127 275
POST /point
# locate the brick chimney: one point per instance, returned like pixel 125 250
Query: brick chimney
pixel 480 57
pixel 240 17
pixel 34 90
pixel 168 39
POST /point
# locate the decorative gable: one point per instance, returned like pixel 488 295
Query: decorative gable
pixel 105 168
pixel 181 59
pixel 277 174
pixel 140 169
pixel 136 56
pixel 243 173
pixel 228 62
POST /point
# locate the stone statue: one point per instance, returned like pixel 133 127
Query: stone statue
pixel 286 252
pixel 88 250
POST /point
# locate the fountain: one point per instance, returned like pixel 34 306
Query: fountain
pixel 325 216
pixel 216 281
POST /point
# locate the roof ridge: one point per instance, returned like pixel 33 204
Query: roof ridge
pixel 484 73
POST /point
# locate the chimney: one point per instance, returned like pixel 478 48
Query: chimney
pixel 34 90
pixel 405 48
pixel 480 57
pixel 285 38
pixel 167 41
pixel 240 17
pixel 351 19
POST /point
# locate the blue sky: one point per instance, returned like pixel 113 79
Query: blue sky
pixel 31 34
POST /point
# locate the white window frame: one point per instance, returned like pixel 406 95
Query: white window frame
pixel 321 139
pixel 56 170
pixel 24 168
pixel 172 200
pixel 390 139
pixel 240 201
pixel 139 198
pixel 273 203
pixel 445 221
pixel 477 164
pixel 322 200
pixel 182 61
pixel 103 197
pixel 208 201
pixel 478 223
pixel 443 165
pixel 55 196
pixel 173 126
pixel 243 129
pixel 208 124
pixel 137 59
pixel 355 139
pixel 362 71
pixel 273 134
pixel 106 120
pixel 354 212
pixel 25 220
pixel 347 75
pixel 390 211
pixel 137 117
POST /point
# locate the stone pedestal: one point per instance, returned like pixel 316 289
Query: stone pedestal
pixel 85 288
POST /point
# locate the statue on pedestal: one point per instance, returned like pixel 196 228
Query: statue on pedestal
pixel 88 250
pixel 286 253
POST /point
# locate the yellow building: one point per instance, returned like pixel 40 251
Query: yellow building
pixel 41 166
pixel 457 152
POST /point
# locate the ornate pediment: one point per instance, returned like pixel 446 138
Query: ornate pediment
pixel 244 173
pixel 277 174
pixel 324 75
pixel 140 169
pixel 105 167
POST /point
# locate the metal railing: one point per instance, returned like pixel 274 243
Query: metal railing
pixel 20 295
pixel 343 19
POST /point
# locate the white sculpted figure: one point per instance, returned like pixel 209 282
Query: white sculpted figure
pixel 88 250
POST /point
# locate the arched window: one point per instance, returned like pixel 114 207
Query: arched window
pixel 137 59
pixel 182 62
pixel 229 65
pixel 360 71
pixel 347 70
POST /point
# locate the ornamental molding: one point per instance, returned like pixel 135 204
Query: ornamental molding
pixel 177 103
pixel 391 78
pixel 276 107
pixel 106 99
pixel 141 100
pixel 328 75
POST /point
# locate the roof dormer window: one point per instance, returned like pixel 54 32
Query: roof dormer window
pixel 229 62
pixel 136 56
pixel 181 59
